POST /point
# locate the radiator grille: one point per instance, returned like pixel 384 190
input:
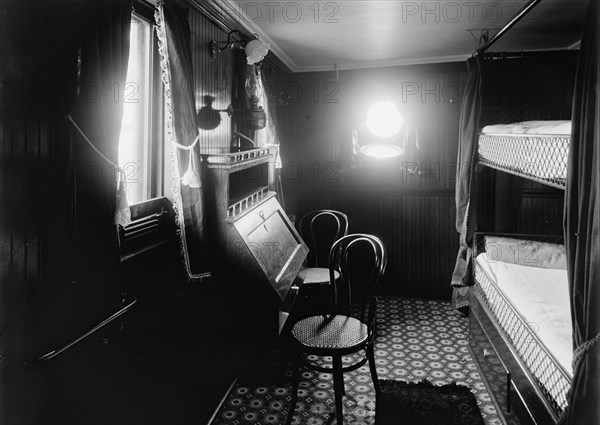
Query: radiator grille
pixel 145 233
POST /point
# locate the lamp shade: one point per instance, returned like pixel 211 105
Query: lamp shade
pixel 381 150
pixel 256 50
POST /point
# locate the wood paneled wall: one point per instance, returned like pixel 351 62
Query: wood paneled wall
pixel 49 291
pixel 408 201
pixel 212 76
pixel 319 111
pixel 417 229
pixel 542 210
pixel 55 252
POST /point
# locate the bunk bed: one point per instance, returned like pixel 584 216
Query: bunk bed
pixel 540 368
pixel 520 325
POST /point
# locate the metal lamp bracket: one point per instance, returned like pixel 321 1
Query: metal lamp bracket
pixel 215 49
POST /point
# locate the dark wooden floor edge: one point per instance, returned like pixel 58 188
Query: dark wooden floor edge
pixel 499 412
pixel 214 415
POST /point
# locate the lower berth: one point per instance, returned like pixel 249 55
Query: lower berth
pixel 520 326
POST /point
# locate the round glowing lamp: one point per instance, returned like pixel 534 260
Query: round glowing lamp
pixel 383 121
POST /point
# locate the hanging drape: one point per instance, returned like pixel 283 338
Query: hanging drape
pixel 465 172
pixel 239 97
pixel 582 233
pixel 101 70
pixel 174 44
pixel 270 132
pixel 96 116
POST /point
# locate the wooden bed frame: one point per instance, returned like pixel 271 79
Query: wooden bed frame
pixel 513 388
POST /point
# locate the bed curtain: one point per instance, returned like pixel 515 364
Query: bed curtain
pixel 581 223
pixel 465 173
pixel 178 77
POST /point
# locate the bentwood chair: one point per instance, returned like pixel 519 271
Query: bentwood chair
pixel 337 335
pixel 319 229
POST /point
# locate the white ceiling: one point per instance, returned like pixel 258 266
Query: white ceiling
pixel 311 35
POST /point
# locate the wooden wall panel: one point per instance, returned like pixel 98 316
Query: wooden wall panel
pixel 212 77
pixel 408 201
pixel 416 229
pixel 541 210
pixel 542 214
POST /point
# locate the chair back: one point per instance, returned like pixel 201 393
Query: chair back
pixel 355 252
pixel 320 229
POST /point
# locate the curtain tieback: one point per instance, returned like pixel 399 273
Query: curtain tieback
pixel 190 177
pixel 188 147
pixel 584 348
pixel 122 211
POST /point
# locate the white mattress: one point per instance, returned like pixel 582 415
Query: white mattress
pixel 530 127
pixel 541 296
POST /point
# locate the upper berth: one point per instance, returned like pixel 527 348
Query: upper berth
pixel 536 150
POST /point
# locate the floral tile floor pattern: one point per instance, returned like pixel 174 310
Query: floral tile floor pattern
pixel 416 340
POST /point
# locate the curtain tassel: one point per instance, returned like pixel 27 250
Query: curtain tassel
pixel 191 178
pixel 122 213
pixel 355 144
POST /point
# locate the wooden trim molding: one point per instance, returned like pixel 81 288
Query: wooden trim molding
pixel 220 16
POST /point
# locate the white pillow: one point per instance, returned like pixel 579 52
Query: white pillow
pixel 527 253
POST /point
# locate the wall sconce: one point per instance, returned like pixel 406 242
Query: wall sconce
pixel 252 118
pixel 255 48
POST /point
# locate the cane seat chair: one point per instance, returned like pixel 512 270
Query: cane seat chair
pixel 342 334
pixel 319 230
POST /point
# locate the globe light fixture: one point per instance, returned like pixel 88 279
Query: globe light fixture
pixel 255 48
pixel 384 122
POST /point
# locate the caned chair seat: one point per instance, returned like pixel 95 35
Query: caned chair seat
pixel 316 275
pixel 338 335
pixel 337 331
pixel 320 229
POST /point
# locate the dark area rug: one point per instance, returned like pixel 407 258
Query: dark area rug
pixel 422 403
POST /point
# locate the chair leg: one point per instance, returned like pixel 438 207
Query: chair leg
pixel 295 378
pixel 338 388
pixel 372 366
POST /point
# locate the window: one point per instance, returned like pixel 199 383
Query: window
pixel 141 140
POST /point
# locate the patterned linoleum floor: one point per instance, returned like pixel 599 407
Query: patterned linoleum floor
pixel 416 340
